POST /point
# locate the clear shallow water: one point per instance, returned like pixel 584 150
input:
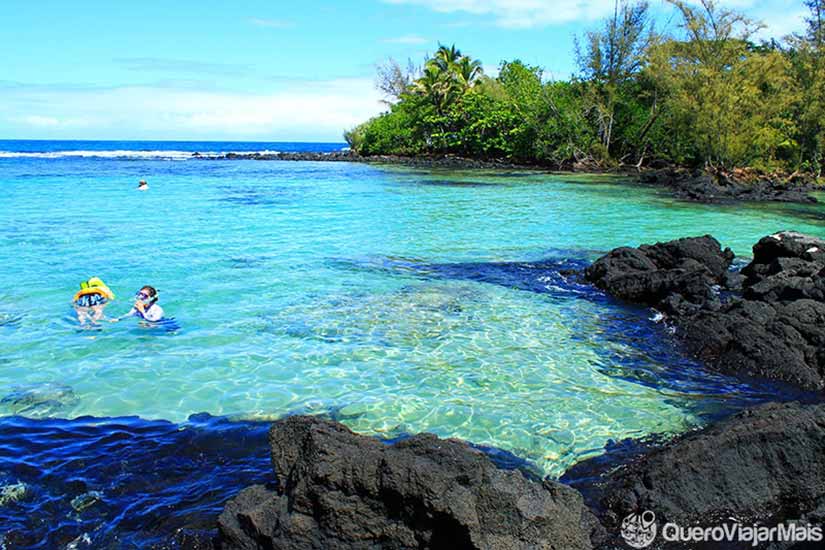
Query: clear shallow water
pixel 396 300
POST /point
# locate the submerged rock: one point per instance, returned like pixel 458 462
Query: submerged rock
pixel 765 464
pixel 86 500
pixel 10 320
pixel 38 399
pixel 337 489
pixel 14 492
pixel 81 541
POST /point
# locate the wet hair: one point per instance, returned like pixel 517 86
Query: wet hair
pixel 150 290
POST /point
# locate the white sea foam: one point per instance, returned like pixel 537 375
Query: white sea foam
pixel 117 154
pixel 129 154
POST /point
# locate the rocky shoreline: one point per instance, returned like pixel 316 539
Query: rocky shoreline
pixel 434 161
pixel 766 321
pixel 709 186
pixel 764 465
pixel 712 186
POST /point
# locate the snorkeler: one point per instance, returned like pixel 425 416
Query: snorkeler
pixel 143 186
pixel 146 306
pixel 91 299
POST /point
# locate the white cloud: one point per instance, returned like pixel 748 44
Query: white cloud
pixel 406 39
pixel 521 13
pixel 299 111
pixel 533 13
pixel 780 25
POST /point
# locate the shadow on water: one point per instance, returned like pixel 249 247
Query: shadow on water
pixel 132 483
pixel 455 183
pixel 256 196
pixel 121 482
pixel 10 320
pixel 630 344
pixel 807 212
pixel 247 262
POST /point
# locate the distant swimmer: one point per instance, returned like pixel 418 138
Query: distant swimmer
pixel 143 186
pixel 146 306
pixel 91 299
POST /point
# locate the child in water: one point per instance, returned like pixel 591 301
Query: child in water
pixel 146 306
pixel 91 299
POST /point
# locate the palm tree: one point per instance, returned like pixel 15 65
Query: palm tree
pixel 433 85
pixel 445 58
pixel 468 71
pixel 446 76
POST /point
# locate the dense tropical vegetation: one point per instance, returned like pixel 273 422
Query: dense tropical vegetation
pixel 707 94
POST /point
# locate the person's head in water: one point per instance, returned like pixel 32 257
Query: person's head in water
pixel 142 185
pixel 91 299
pixel 146 306
pixel 147 296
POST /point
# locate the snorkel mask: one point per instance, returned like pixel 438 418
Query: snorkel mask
pixel 145 298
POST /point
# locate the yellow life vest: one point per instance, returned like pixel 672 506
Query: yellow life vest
pixel 94 286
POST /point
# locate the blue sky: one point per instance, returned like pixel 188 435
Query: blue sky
pixel 262 70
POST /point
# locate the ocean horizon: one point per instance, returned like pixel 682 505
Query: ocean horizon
pixel 155 149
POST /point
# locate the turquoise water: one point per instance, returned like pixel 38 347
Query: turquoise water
pixel 396 300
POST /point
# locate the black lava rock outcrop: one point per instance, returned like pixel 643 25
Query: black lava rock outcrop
pixel 765 465
pixel 340 490
pixel 422 161
pixel 776 329
pixel 786 266
pixel 738 185
pixel 676 276
pixel 771 325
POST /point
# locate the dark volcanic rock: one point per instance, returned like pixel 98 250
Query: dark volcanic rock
pixel 786 266
pixel 739 185
pixel 340 490
pixel 778 329
pixel 423 161
pixel 778 341
pixel 334 156
pixel 665 275
pixel 765 464
pixel 772 325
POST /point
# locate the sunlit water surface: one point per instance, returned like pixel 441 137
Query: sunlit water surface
pixel 395 300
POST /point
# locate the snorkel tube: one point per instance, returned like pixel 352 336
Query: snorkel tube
pixel 151 296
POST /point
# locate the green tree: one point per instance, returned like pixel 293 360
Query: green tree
pixel 611 57
pixel 807 59
pixel 446 76
pixel 467 72
pixel 723 95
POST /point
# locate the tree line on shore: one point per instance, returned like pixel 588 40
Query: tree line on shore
pixel 705 95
